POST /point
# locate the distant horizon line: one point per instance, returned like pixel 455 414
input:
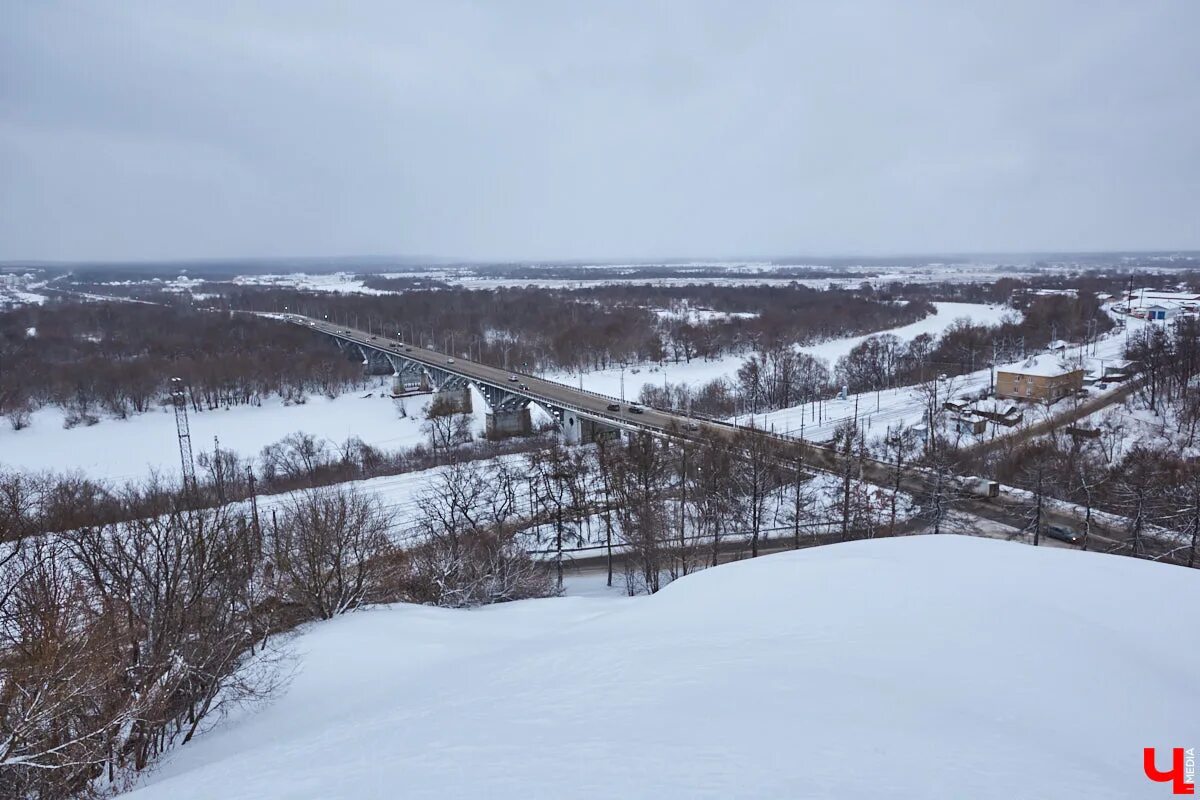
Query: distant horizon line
pixel 432 260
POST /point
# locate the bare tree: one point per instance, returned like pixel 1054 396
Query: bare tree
pixel 560 477
pixel 468 550
pixel 331 551
pixel 898 447
pixel 754 476
pixel 1039 475
pixel 446 424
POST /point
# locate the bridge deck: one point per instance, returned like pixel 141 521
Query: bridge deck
pixel 549 394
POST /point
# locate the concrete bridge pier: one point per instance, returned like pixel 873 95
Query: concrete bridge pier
pixel 576 429
pixel 456 398
pixel 407 378
pixel 505 422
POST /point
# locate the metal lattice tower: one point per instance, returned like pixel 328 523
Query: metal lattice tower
pixel 179 400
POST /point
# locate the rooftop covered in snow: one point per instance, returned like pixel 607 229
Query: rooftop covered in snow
pixel 1047 366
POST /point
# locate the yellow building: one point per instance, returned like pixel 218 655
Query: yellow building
pixel 1042 378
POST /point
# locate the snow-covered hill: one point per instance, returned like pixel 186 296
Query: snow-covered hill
pixel 923 667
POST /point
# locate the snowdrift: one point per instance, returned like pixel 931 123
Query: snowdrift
pixel 922 667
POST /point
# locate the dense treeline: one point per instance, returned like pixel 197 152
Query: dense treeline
pixel 762 317
pixel 117 358
pixel 597 327
pixel 569 272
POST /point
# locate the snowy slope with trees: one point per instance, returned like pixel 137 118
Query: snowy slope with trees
pixel 917 667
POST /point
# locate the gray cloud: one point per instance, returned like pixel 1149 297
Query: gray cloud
pixel 563 130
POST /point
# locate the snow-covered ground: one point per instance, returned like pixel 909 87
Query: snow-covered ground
pixel 699 371
pixel 129 448
pixel 336 282
pixel 918 667
pixel 696 316
pixel 935 324
pixel 15 290
pixel 17 297
pixel 877 412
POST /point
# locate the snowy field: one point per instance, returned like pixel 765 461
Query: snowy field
pixel 336 282
pixel 935 324
pixel 921 667
pixel 129 448
pixel 699 371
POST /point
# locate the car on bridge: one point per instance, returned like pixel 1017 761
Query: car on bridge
pixel 613 406
pixel 635 409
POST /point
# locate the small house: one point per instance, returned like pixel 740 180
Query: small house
pixel 971 424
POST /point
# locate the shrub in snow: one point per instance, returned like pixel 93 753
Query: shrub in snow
pixel 476 568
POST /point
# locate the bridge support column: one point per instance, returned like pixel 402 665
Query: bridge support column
pixel 457 398
pixel 505 422
pixel 576 429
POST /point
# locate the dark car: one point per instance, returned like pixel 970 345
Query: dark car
pixel 1063 534
pixel 613 406
pixel 635 409
pixel 522 386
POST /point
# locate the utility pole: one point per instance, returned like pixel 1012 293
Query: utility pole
pixel 992 371
pixel 254 512
pixel 218 471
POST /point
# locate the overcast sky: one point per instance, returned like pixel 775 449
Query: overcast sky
pixel 560 130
